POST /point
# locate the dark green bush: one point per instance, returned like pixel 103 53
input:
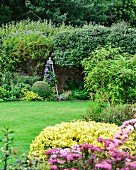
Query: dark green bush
pixel 80 94
pixel 30 80
pixel 41 88
pixel 70 47
pixel 102 113
pixel 121 35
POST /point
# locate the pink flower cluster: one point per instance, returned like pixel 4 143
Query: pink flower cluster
pixel 89 157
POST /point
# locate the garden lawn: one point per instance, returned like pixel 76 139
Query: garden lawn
pixel 28 119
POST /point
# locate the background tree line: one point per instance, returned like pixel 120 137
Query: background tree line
pixel 74 12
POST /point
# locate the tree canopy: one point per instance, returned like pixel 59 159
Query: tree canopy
pixel 74 12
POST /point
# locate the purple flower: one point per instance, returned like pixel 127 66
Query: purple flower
pixel 100 139
pixel 104 165
pixel 53 167
pixel 46 70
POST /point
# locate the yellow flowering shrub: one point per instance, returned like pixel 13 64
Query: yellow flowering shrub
pixel 69 133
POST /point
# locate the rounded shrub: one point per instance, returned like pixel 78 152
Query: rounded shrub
pixel 67 134
pixel 41 88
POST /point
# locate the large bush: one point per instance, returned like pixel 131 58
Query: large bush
pixel 41 88
pixel 121 35
pixel 110 75
pixel 70 47
pixel 26 51
pixel 66 134
pixel 25 46
pixel 114 154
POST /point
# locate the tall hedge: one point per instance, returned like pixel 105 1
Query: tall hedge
pixel 71 47
pixel 121 35
pixel 27 44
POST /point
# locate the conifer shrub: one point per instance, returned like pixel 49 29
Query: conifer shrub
pixel 41 88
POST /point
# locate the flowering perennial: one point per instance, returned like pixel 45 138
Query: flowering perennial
pixel 90 157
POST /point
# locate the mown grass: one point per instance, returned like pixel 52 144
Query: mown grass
pixel 28 119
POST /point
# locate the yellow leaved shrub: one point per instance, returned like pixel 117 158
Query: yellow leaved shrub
pixel 66 134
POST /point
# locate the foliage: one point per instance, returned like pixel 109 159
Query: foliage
pixel 41 88
pixel 12 10
pixel 7 150
pixel 10 158
pixel 12 92
pixel 114 114
pixel 76 94
pixel 66 134
pixel 4 94
pixel 29 80
pixel 70 47
pixel 78 12
pixel 31 96
pixel 25 46
pixel 80 94
pixel 125 10
pixel 94 109
pixel 123 36
pixel 45 26
pixel 85 156
pixel 110 75
pixel 26 50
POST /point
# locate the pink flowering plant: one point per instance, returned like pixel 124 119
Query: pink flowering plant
pixel 113 156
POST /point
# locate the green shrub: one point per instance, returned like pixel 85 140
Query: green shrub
pixel 10 92
pixel 80 94
pixel 70 47
pixel 94 109
pixel 41 88
pixel 110 75
pixel 5 95
pixel 121 35
pixel 31 96
pixel 30 80
pixel 100 112
pixel 16 90
pixel 66 134
pixel 25 51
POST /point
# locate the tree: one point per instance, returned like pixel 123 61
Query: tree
pixel 12 10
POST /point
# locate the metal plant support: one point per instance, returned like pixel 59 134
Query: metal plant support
pixel 49 73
